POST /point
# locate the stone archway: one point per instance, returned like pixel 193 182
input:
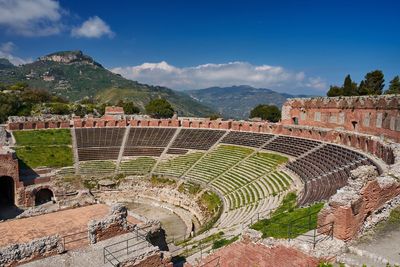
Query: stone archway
pixel 7 191
pixel 42 196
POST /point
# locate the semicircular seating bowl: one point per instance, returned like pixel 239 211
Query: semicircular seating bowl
pixel 239 166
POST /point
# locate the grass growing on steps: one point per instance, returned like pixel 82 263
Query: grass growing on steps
pixel 278 158
pixel 189 188
pixel 157 181
pixel 211 200
pixel 288 220
pixel 43 137
pixel 224 242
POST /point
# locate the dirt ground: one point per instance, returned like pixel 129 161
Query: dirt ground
pixel 62 222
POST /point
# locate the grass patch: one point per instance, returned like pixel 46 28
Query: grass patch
pixel 157 181
pixel 37 156
pixel 43 137
pixel 224 242
pixel 288 221
pixel 211 201
pixel 278 158
pixel 189 188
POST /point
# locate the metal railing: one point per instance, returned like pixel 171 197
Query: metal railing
pixel 265 214
pixel 113 253
pixel 318 234
pixel 73 238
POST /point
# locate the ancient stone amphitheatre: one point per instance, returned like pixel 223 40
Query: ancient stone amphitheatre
pixel 127 190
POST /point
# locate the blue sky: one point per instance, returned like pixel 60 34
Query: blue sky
pixel 288 46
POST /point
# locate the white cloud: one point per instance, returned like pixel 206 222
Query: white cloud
pixel 94 27
pixel 31 17
pixel 226 74
pixel 6 50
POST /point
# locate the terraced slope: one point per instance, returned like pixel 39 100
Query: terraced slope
pixel 217 162
pixel 137 166
pixel 97 167
pixel 177 166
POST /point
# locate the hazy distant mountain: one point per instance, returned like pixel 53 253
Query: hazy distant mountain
pixel 237 101
pixel 5 64
pixel 74 75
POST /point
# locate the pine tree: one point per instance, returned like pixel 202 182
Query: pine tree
pixel 335 91
pixel 362 90
pixel 394 87
pixel 349 87
pixel 373 83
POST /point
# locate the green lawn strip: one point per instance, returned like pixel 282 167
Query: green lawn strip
pixel 37 156
pixel 224 242
pixel 287 214
pixel 41 137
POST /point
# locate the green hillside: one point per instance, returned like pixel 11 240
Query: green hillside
pixel 235 102
pixel 73 75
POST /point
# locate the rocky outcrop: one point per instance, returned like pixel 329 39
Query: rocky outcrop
pixel 69 57
pixel 20 253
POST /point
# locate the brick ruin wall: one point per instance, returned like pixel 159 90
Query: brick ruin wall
pixel 365 194
pixel 374 115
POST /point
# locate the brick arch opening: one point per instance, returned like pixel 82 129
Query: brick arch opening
pixel 7 191
pixel 42 196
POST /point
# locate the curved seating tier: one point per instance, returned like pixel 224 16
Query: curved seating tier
pixel 97 167
pixel 246 139
pixel 177 166
pixel 99 143
pixel 325 170
pixel 200 139
pixel 147 141
pixel 216 162
pixel 99 137
pixel 291 146
pixel 137 166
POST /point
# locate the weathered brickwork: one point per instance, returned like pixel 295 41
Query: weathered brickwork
pixel 353 204
pixel 375 115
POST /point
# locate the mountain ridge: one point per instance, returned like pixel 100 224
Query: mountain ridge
pixel 74 76
pixel 235 102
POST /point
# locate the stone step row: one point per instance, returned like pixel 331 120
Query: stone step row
pixel 140 165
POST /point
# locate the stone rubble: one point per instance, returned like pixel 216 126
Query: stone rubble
pixel 18 253
pixel 117 217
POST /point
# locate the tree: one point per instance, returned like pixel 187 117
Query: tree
pixel 129 107
pixel 266 112
pixel 59 108
pixel 394 86
pixel 349 87
pixel 373 83
pixel 159 108
pixel 214 116
pixel 335 91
